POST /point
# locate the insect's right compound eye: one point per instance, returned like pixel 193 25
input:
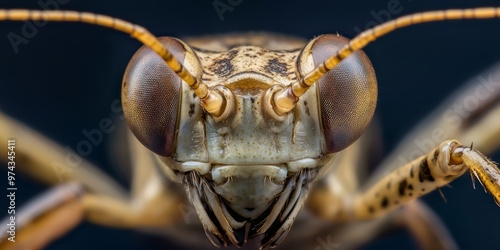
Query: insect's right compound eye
pixel 150 97
pixel 348 93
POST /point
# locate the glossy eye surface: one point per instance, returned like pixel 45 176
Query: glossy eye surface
pixel 348 93
pixel 150 97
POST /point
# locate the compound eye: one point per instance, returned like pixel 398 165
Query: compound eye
pixel 151 92
pixel 348 93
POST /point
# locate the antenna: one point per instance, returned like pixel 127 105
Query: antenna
pixel 212 101
pixel 286 98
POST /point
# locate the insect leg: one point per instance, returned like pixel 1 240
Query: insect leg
pixel 103 201
pixel 425 226
pixel 44 218
pixel 63 207
pixel 348 172
pixel 469 115
pixel 423 175
pixel 154 193
pixel 421 222
pixel 44 160
pixel 327 198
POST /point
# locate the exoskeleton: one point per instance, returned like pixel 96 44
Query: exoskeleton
pixel 254 127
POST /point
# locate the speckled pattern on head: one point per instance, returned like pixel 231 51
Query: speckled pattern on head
pixel 259 168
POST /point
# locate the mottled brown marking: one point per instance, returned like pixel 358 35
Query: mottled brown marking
pixel 402 187
pixel 223 67
pixel 232 54
pixel 436 155
pixel 384 202
pixel 250 55
pixel 308 112
pixel 191 109
pixel 424 173
pixel 275 66
pixel 371 209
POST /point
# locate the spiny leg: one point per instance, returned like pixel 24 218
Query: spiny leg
pixel 341 183
pixel 456 118
pixel 478 124
pixel 469 115
pixel 423 175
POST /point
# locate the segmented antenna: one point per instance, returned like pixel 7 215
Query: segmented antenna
pixel 289 96
pixel 213 100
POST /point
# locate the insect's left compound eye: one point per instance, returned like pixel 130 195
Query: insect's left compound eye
pixel 348 93
pixel 150 97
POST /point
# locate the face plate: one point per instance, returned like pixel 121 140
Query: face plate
pixel 247 175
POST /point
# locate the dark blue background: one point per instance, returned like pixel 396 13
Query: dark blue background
pixel 66 77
